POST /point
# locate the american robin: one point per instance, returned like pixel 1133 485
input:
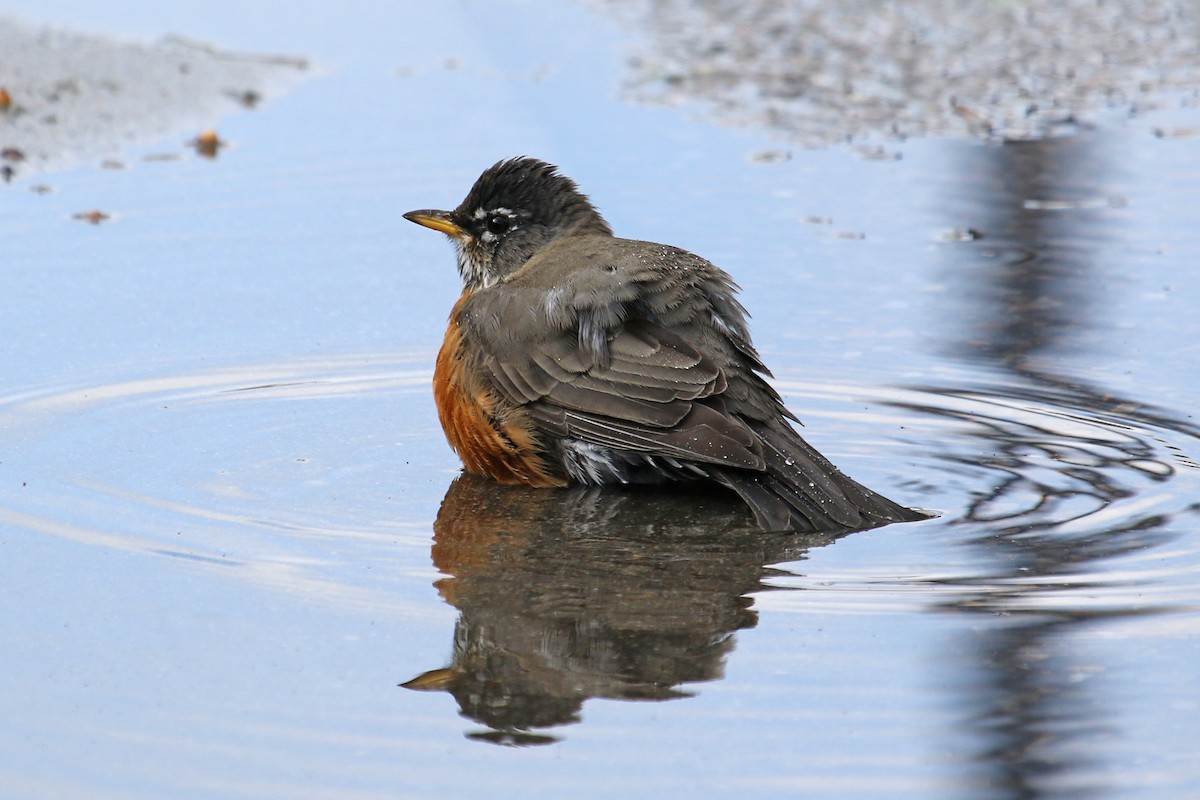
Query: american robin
pixel 574 356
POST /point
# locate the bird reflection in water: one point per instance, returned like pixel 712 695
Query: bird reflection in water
pixel 565 595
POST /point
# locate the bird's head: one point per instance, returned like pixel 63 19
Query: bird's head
pixel 516 208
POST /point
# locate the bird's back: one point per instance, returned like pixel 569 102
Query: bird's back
pixel 632 361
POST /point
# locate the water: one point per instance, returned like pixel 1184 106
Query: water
pixel 231 528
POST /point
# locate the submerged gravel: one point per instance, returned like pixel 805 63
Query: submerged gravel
pixel 824 72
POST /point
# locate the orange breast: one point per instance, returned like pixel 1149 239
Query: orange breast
pixel 491 436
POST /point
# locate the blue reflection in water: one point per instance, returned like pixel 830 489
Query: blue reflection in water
pixel 1072 475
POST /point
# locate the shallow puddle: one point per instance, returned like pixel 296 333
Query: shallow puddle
pixel 237 558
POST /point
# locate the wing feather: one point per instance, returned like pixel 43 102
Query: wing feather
pixel 643 349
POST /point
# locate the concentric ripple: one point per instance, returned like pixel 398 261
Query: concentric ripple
pixel 290 474
pixel 281 474
pixel 1061 499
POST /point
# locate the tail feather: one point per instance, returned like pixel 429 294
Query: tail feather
pixel 801 490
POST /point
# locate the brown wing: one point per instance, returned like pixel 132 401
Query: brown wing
pixel 611 341
pixel 642 398
pixel 643 349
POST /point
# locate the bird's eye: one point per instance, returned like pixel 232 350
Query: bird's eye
pixel 498 224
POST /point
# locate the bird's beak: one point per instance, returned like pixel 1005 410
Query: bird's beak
pixel 436 680
pixel 438 220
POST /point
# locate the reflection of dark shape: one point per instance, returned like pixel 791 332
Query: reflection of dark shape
pixel 1075 474
pixel 1034 289
pixel 578 593
pixel 1060 449
pixel 1058 457
pixel 1042 581
pixel 1035 707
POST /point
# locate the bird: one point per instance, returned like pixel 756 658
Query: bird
pixel 574 356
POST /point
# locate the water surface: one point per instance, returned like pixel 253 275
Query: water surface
pixel 231 528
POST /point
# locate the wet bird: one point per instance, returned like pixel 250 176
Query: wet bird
pixel 575 356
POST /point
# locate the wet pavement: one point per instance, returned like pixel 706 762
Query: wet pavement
pixel 230 528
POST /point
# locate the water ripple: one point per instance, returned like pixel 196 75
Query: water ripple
pixel 279 473
pixel 1067 502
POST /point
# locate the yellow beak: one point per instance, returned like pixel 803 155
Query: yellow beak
pixel 438 220
pixel 436 680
